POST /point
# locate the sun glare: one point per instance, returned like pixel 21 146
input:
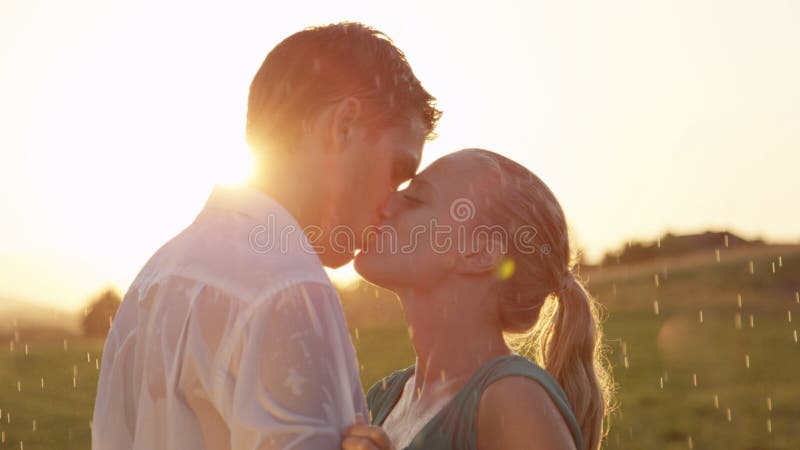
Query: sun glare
pixel 344 277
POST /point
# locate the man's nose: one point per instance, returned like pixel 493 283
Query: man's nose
pixel 389 206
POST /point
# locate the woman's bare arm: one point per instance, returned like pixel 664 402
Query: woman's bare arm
pixel 517 413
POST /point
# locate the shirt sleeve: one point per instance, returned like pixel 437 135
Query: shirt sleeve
pixel 294 381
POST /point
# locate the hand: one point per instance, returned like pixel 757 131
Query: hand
pixel 363 436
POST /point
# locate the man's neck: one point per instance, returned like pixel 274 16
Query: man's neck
pixel 289 182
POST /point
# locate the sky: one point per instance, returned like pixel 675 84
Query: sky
pixel 117 118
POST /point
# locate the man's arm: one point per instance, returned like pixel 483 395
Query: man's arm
pixel 296 379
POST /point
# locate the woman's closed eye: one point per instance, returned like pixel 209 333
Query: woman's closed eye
pixel 412 199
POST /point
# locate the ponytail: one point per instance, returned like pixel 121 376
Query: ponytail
pixel 566 341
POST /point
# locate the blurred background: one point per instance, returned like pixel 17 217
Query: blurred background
pixel 668 130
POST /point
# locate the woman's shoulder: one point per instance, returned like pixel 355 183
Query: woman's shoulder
pixel 515 410
pixel 517 384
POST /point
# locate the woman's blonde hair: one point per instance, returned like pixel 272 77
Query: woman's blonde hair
pixel 546 312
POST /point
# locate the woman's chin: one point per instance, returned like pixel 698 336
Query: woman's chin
pixel 372 268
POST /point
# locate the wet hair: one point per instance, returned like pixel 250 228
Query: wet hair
pixel 321 65
pixel 543 307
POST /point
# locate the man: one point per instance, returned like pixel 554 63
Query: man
pixel 231 336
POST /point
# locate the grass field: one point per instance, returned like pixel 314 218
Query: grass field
pixel 696 374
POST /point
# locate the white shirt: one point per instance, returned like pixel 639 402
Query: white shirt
pixel 230 337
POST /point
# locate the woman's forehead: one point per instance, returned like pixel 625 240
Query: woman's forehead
pixel 462 163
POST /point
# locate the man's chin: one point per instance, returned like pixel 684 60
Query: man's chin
pixel 335 260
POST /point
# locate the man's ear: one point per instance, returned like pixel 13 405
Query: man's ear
pixel 344 115
pixel 482 256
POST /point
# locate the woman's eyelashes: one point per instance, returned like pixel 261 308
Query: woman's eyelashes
pixel 411 196
pixel 412 199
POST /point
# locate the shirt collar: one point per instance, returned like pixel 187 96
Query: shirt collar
pixel 246 200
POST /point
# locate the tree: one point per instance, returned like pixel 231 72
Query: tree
pixel 100 313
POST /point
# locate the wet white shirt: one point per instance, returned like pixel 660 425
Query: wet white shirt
pixel 230 337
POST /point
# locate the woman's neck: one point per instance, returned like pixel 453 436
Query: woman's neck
pixel 452 337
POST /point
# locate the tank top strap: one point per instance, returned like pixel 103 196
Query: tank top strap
pixel 516 365
pixel 384 394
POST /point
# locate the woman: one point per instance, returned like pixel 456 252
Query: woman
pixel 477 250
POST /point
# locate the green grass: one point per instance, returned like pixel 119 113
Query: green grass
pixel 667 348
pixel 62 411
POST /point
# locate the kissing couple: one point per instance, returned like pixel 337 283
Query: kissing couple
pixel 226 342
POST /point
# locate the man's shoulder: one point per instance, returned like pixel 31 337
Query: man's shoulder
pixel 238 254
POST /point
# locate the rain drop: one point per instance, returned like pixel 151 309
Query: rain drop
pixel 752 323
pixel 769 403
pixel 691 445
pixel 88 358
pixel 655 306
pixel 726 241
pixel 26 349
pixel 19 386
pixel 625 359
pixel 694 379
pixel 716 254
pixel 655 277
pixel 780 261
pixel 356 333
pixel 752 268
pixel 716 401
pixel 739 300
pixel 65 345
pixel 795 336
pixel 789 314
pixel 34 424
pixel 738 321
pixel 701 316
pixel 747 361
pixel 729 414
pixel 769 425
pixel 42 383
pixel 661 382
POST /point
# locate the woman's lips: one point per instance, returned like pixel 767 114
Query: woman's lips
pixel 375 233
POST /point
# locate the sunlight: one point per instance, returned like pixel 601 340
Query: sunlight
pixel 344 277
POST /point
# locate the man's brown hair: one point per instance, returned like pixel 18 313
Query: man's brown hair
pixel 321 65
